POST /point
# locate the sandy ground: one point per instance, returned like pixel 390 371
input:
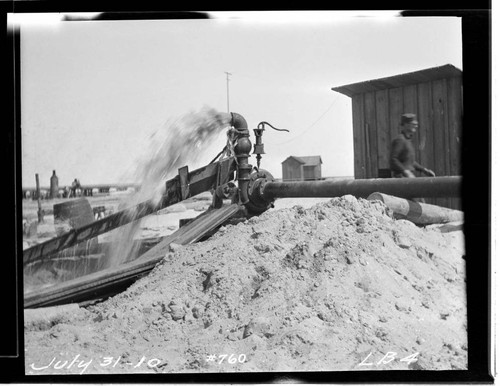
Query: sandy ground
pixel 311 285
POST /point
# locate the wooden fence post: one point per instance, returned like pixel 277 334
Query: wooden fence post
pixel 40 211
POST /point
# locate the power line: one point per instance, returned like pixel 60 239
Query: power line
pixel 313 124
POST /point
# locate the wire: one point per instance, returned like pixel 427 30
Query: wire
pixel 312 125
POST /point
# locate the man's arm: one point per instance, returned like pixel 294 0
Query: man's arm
pixel 418 167
pixel 426 171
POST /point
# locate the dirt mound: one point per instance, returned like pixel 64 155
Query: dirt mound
pixel 338 286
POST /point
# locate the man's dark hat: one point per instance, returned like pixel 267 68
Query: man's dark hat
pixel 409 118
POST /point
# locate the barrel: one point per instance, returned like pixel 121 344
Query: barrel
pixel 74 213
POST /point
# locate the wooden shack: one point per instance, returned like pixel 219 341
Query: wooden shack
pixel 302 168
pixel 434 95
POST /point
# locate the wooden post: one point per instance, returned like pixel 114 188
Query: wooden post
pixel 40 211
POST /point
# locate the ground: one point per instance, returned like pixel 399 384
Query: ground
pixel 311 285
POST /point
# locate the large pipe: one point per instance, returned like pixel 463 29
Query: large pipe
pixel 423 187
pixel 417 212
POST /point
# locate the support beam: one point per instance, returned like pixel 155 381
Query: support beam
pixel 113 280
pixel 199 181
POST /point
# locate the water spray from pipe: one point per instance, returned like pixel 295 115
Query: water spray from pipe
pixel 177 143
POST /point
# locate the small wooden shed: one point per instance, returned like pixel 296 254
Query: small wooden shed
pixel 434 95
pixel 302 168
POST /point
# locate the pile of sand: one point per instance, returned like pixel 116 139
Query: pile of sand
pixel 338 286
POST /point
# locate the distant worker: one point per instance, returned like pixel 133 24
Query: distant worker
pixel 75 188
pixel 402 158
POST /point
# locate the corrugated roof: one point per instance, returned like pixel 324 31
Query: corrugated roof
pixel 307 160
pixel 410 78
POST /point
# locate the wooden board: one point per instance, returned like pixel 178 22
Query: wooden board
pixel 371 135
pixel 383 128
pixel 396 108
pixel 113 280
pixel 358 136
pixel 455 124
pixel 439 130
pixel 200 180
pixel 425 146
pixel 410 103
pixel 455 130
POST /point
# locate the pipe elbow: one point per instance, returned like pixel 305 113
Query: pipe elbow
pixel 238 122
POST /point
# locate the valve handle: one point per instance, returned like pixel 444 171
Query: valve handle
pixel 261 126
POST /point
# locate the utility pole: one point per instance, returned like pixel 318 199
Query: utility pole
pixel 227 87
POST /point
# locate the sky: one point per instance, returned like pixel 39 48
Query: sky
pixel 93 92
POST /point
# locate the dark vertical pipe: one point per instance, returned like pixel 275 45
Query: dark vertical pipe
pixel 242 152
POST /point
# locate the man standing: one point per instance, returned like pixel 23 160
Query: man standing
pixel 402 159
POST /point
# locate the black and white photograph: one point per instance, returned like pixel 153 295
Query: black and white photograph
pixel 242 192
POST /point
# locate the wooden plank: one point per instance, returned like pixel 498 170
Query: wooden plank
pixel 446 126
pixel 371 135
pixel 358 136
pixel 455 124
pixel 425 146
pixel 395 110
pixel 201 180
pixel 184 182
pixel 104 282
pixel 455 129
pixel 383 128
pixel 447 151
pixel 438 112
pixel 367 150
pixel 410 105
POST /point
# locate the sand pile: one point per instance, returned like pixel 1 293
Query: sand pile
pixel 338 286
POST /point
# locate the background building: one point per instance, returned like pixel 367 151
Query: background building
pixel 302 168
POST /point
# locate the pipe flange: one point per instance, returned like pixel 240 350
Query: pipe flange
pixel 257 204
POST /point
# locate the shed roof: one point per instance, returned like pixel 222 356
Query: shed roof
pixel 307 160
pixel 409 78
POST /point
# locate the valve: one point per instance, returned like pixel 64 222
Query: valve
pixel 259 146
pixel 256 202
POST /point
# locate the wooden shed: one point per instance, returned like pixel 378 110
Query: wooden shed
pixel 302 168
pixel 434 95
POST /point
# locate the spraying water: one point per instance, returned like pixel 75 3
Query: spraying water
pixel 177 143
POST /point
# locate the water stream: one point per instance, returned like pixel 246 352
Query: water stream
pixel 177 143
